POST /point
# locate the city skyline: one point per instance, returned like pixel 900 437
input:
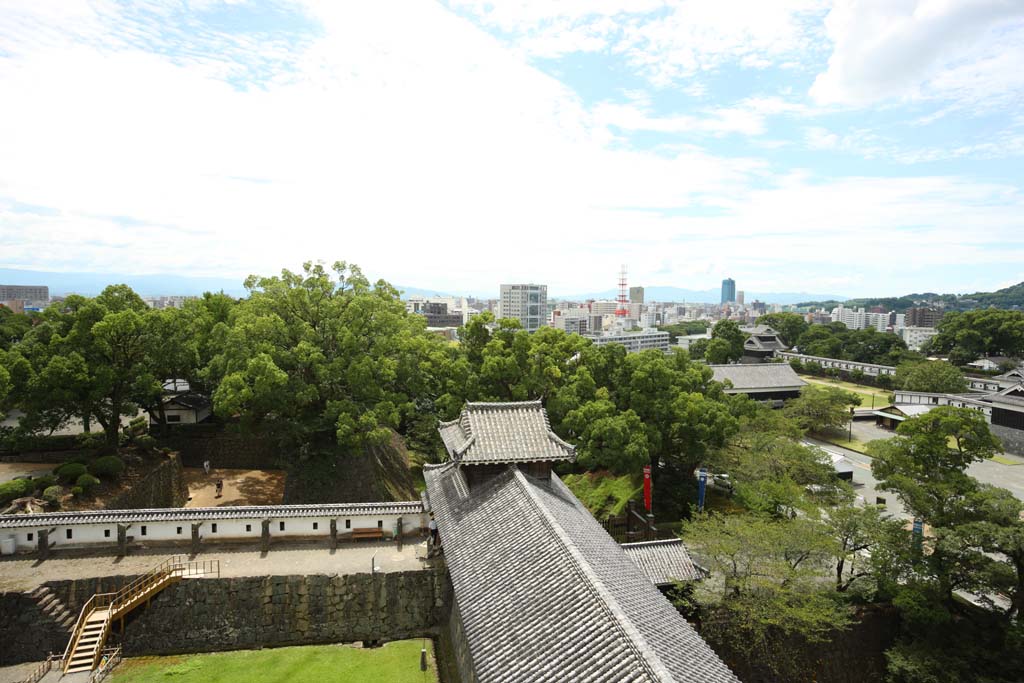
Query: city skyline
pixel 773 143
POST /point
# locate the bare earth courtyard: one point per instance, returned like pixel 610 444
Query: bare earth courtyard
pixel 241 487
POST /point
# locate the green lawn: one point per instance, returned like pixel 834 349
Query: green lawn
pixel 865 393
pixel 837 439
pixel 397 662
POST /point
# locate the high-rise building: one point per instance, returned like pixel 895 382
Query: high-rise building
pixel 527 303
pixel 39 293
pixel 923 317
pixel 739 297
pixel 728 290
pixel 636 295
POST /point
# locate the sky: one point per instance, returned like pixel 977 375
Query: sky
pixel 854 147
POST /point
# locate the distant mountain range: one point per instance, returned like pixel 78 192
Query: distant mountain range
pixel 705 296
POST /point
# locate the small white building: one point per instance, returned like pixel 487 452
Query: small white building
pixel 186 409
pixel 915 337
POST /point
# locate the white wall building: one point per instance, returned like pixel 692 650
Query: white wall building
pixel 635 341
pixel 915 337
pixel 860 319
pixel 87 529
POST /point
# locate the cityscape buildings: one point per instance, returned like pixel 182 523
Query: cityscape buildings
pixel 33 293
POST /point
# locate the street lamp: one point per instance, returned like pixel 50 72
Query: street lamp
pixel 851 425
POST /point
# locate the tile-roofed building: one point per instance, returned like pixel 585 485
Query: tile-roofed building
pixel 499 433
pixel 541 591
pixel 763 382
pixel 664 562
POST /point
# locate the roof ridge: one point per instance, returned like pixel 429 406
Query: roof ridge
pixel 660 541
pixel 502 404
pixel 644 652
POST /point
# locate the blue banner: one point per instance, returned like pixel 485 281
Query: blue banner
pixel 701 488
pixel 918 534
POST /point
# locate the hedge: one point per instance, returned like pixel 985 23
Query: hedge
pixel 52 494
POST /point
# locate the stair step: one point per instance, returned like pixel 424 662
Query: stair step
pixel 79 669
pixel 40 591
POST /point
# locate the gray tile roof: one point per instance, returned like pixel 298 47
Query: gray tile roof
pixel 663 562
pixel 763 343
pixel 763 376
pixel 503 433
pixel 545 594
pixel 216 513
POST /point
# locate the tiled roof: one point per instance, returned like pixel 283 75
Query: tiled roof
pixel 545 594
pixel 764 343
pixel 760 376
pixel 503 433
pixel 663 562
pixel 215 513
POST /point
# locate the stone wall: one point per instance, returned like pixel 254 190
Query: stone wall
pixel 229 450
pixel 205 615
pixel 27 633
pixel 163 487
pixel 1013 439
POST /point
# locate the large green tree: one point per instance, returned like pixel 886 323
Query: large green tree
pixel 819 408
pixel 726 332
pixel 319 357
pixel 972 334
pixel 930 376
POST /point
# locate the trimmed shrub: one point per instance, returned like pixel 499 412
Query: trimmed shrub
pixel 87 483
pixel 18 488
pixel 77 491
pixel 53 494
pixel 44 482
pixel 91 440
pixel 70 471
pixel 107 467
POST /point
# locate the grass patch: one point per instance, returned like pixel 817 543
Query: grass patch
pixel 841 440
pixel 1006 461
pixel 604 495
pixel 864 393
pixel 397 662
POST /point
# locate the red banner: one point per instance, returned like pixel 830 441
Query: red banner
pixel 647 487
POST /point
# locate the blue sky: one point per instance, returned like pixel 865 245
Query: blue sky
pixel 857 148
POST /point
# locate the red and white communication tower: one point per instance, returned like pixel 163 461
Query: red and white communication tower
pixel 622 311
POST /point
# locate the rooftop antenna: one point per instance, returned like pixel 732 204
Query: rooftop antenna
pixel 622 310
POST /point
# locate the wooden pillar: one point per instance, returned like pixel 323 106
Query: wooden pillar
pixel 196 539
pixel 334 534
pixel 43 543
pixel 265 539
pixel 398 532
pixel 122 539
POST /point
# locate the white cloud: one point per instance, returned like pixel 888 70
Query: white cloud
pixel 428 152
pixel 918 49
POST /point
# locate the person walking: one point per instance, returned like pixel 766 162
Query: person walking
pixel 220 488
pixel 435 537
pixel 206 467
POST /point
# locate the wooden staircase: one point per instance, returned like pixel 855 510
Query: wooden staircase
pixel 98 614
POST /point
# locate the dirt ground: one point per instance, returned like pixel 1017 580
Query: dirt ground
pixel 241 487
pixel 10 470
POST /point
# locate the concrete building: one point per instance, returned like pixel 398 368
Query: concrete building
pixel 915 337
pixel 635 341
pixel 860 319
pixel 528 303
pixel 728 290
pixel 636 295
pixel 740 296
pixel 603 307
pixel 455 310
pixel 924 317
pixel 39 293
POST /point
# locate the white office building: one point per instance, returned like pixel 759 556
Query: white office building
pixel 915 337
pixel 528 303
pixel 635 341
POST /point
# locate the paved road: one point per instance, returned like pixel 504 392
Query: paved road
pixel 1009 477
pixel 25 572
